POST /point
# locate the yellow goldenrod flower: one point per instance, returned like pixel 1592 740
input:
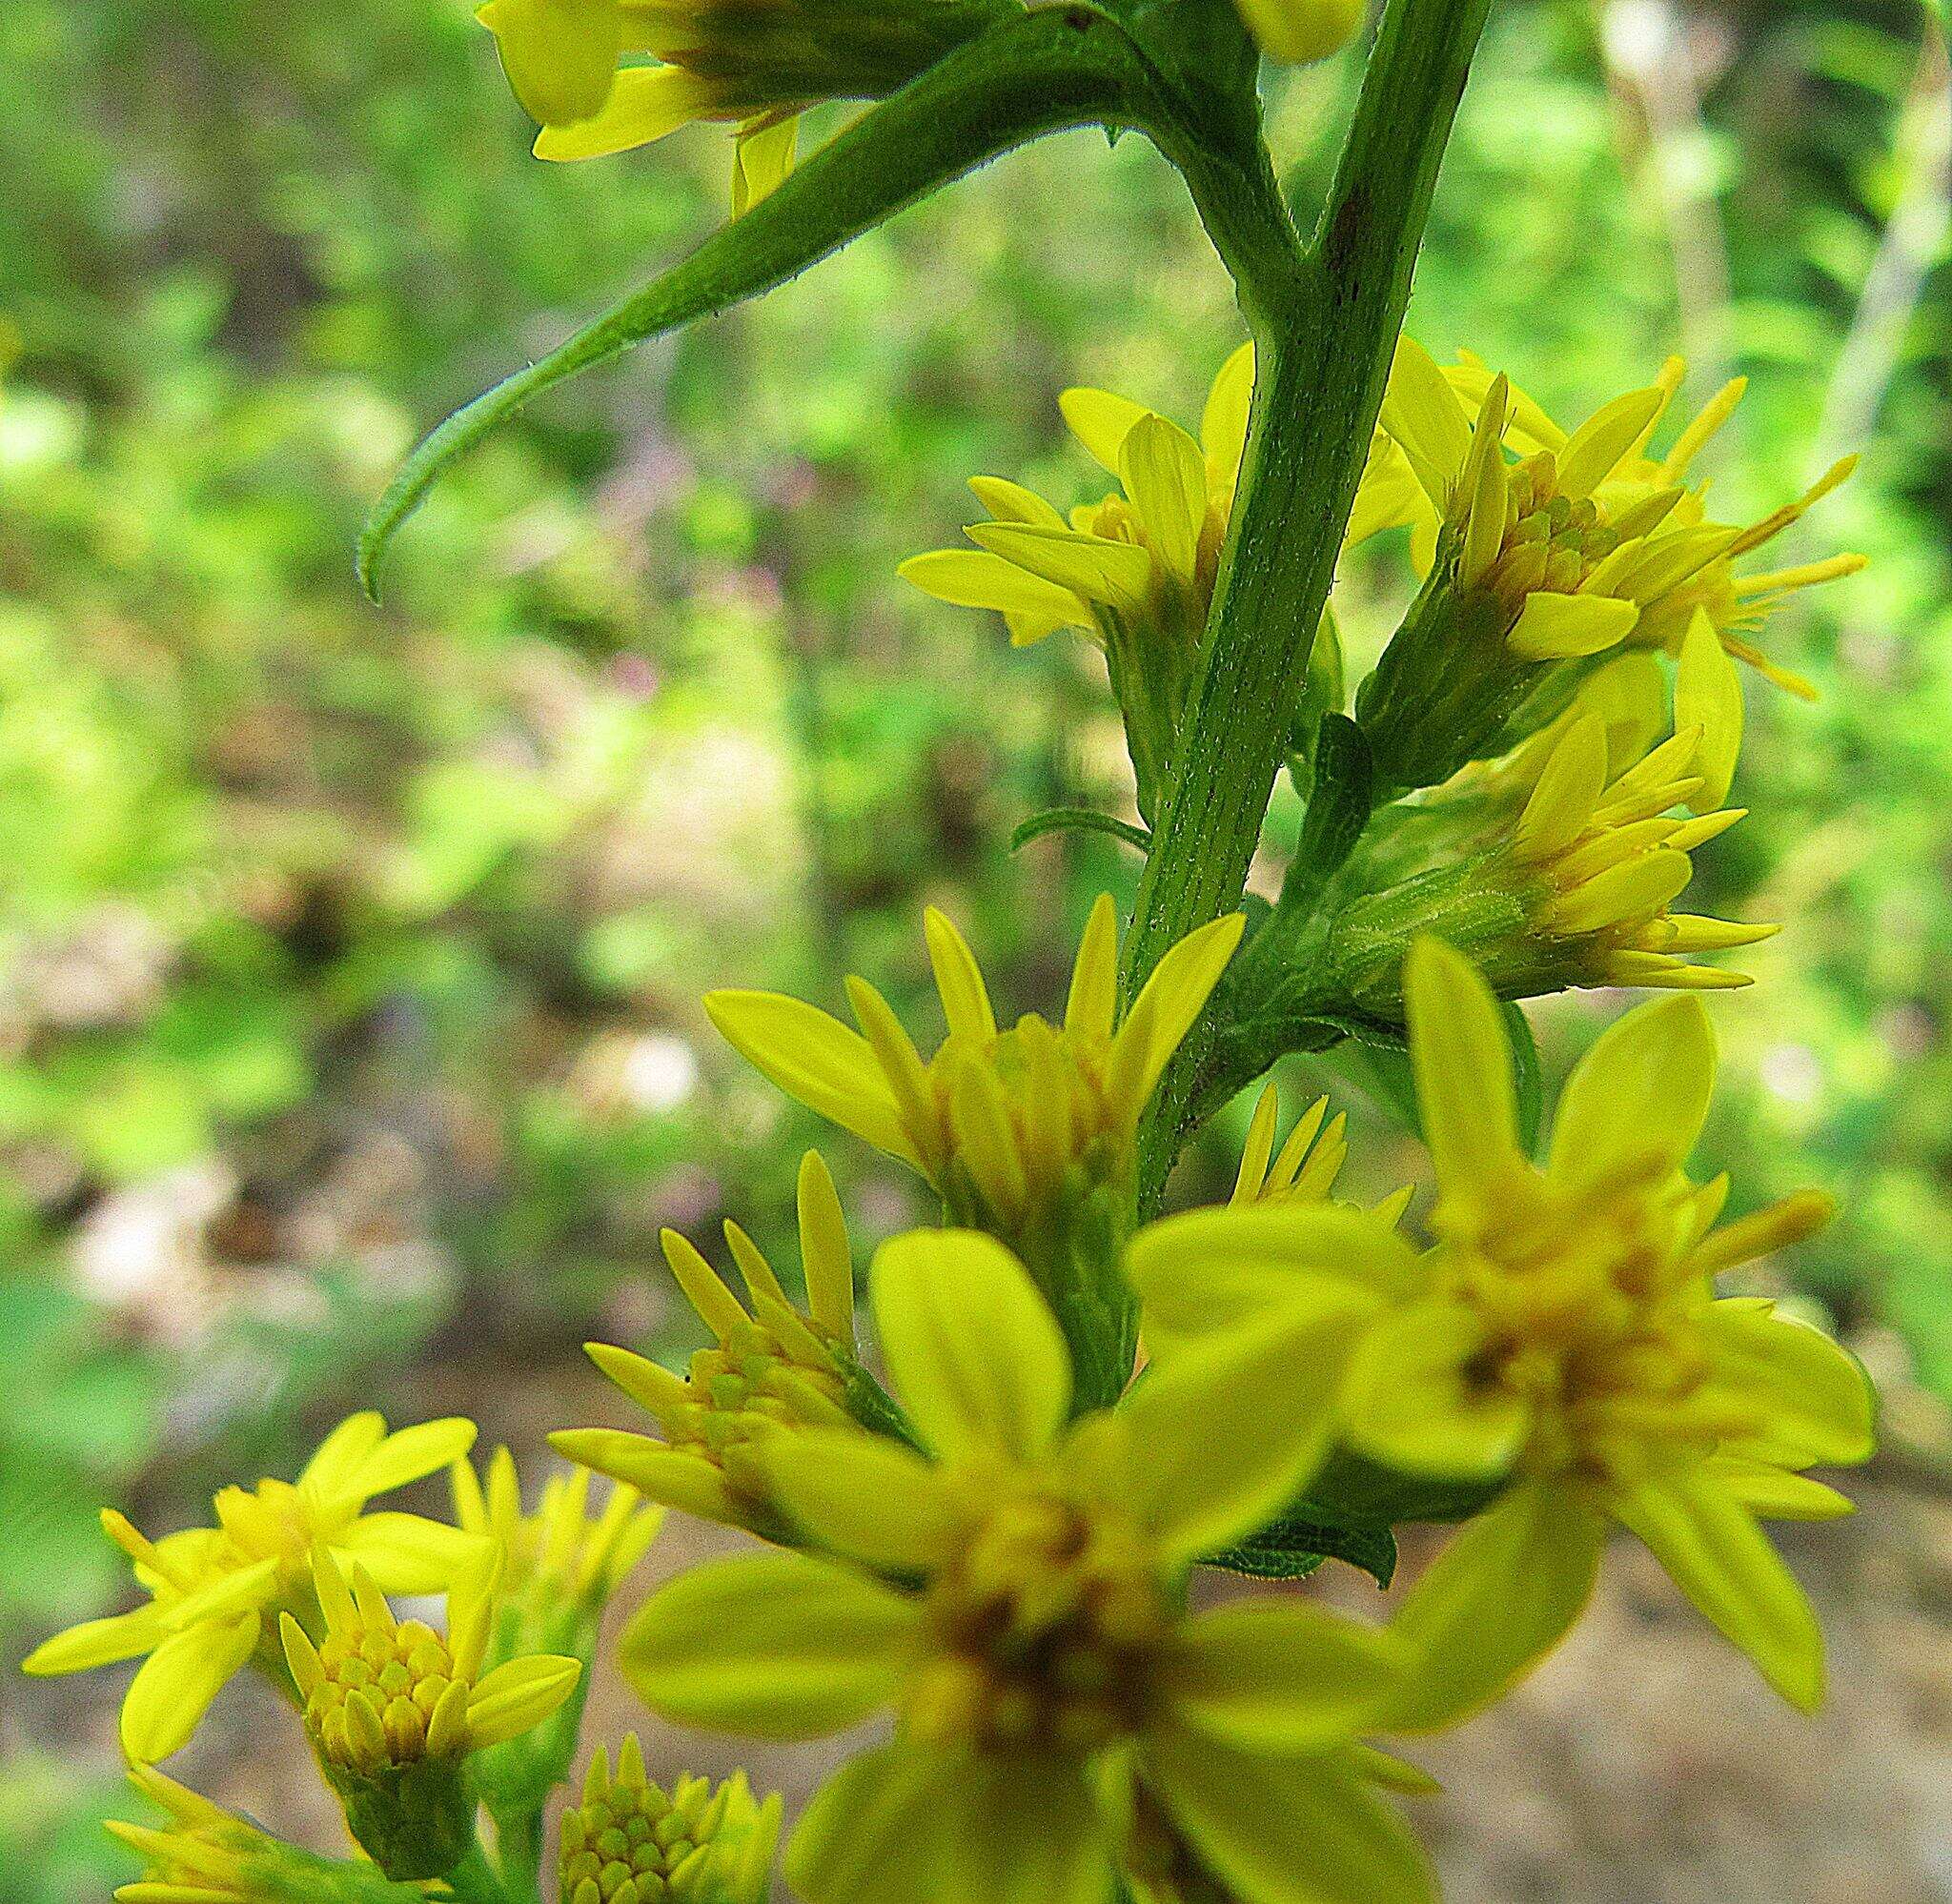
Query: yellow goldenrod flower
pixel 211 1590
pixel 1587 540
pixel 631 1842
pixel 393 1708
pixel 1559 863
pixel 771 1365
pixel 1297 32
pixel 1047 1683
pixel 1563 1333
pixel 1597 857
pixel 1003 1125
pixel 1133 571
pixel 753 63
pixel 559 1558
pixel 204 1854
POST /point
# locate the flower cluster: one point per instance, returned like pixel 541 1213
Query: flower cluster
pixel 1003 1551
pixel 1543 546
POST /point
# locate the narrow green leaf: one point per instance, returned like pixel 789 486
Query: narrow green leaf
pixel 1526 1076
pixel 1038 74
pixel 1291 1549
pixel 1338 810
pixel 1081 820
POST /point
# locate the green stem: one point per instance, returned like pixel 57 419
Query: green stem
pixel 1324 319
pixel 518 1853
pixel 473 1880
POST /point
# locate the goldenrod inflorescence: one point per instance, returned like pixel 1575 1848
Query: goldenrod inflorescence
pixel 985 1515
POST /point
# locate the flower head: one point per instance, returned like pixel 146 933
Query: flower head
pixel 1563 1335
pixel 211 1590
pixel 1134 571
pixel 1000 1124
pixel 1587 539
pixel 561 1557
pixel 1041 1669
pixel 393 1708
pixel 203 1855
pixel 753 63
pixel 771 1365
pixel 1561 863
pixel 1599 855
pixel 632 1842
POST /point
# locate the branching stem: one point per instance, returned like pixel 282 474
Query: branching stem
pixel 1325 316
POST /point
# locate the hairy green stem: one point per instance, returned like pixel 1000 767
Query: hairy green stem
pixel 1325 319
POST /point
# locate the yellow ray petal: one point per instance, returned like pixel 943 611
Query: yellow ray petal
pixel 1640 1092
pixel 1100 420
pixel 1552 626
pixel 814 1058
pixel 1462 1061
pixel 974 1352
pixel 958 980
pixel 1165 475
pixel 646 104
pixel 1222 426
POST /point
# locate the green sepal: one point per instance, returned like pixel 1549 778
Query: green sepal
pixel 1040 74
pixel 414 1821
pixel 1291 1549
pixel 1338 810
pixel 1323 693
pixel 872 1406
pixel 1446 686
pixel 282 1873
pixel 1528 1082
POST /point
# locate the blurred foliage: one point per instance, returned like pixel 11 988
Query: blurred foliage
pixel 349 958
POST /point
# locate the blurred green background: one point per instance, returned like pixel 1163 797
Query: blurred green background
pixel 349 958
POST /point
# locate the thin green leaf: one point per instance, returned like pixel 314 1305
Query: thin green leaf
pixel 1038 74
pixel 1526 1076
pixel 1291 1549
pixel 1079 820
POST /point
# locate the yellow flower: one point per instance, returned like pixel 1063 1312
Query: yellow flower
pixel 1563 1334
pixel 631 1842
pixel 1048 1686
pixel 393 1708
pixel 771 1365
pixel 1300 30
pixel 204 1854
pixel 1598 856
pixel 213 1588
pixel 1133 571
pixel 753 63
pixel 557 1558
pixel 1002 1123
pixel 1560 863
pixel 1587 540
pixel 380 1692
pixel 1148 554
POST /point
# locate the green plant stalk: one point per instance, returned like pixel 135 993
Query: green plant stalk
pixel 1325 317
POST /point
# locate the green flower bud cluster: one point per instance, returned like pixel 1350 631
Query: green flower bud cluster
pixel 632 1842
